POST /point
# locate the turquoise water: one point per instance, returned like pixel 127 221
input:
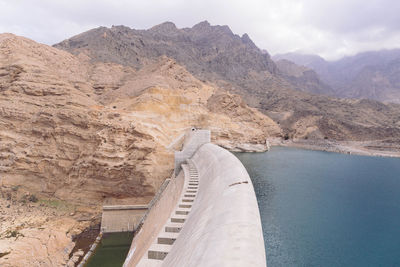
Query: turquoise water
pixel 112 250
pixel 327 209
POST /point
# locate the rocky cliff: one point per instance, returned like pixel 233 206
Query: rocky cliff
pixel 85 131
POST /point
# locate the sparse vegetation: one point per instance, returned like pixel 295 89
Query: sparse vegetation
pixel 15 188
pixel 13 233
pixel 57 204
pixel 33 198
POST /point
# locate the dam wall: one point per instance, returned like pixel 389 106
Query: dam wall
pixel 223 227
pixel 207 215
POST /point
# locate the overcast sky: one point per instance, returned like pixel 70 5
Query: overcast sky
pixel 330 28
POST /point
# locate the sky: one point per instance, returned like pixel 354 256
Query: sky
pixel 329 28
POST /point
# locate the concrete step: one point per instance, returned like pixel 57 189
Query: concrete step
pixel 167 238
pixel 187 200
pixel 192 187
pixel 193 184
pixel 189 195
pixel 145 262
pixel 184 205
pixel 178 218
pixel 182 212
pixel 191 191
pixel 173 227
pixel 158 251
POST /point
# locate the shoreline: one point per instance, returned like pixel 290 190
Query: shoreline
pixel 362 148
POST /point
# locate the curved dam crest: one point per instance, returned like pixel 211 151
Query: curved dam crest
pixel 207 216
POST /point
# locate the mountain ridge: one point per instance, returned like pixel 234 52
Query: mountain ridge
pixel 370 74
pixel 215 54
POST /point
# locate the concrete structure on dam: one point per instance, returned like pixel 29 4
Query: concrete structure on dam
pixel 121 218
pixel 207 215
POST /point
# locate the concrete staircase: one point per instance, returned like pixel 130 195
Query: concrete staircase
pixel 166 238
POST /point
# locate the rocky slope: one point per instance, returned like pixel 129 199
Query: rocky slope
pixel 85 132
pixel 372 75
pixel 70 128
pixel 214 53
pixel 303 78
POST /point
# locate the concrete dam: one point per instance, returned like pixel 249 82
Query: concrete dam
pixel 206 215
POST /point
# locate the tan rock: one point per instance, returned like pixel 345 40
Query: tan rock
pixel 82 133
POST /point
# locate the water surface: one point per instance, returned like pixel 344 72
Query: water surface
pixel 112 250
pixel 327 209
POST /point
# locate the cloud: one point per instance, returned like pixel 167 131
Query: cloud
pixel 331 28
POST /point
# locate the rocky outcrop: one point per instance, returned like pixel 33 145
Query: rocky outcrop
pixel 80 131
pixel 55 139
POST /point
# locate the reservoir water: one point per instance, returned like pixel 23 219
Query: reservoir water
pixel 327 209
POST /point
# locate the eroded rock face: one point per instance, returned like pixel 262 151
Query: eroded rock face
pixel 55 139
pixel 84 131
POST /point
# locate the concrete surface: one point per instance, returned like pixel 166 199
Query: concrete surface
pixel 215 220
pixel 223 227
pixel 121 218
pixel 194 138
pixel 155 221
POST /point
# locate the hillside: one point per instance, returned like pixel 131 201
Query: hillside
pixel 236 64
pixel 302 78
pixel 74 129
pixel 373 75
pixel 76 133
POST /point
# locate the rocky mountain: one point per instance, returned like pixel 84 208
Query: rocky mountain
pixel 302 78
pixel 372 75
pixel 236 64
pixel 85 131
